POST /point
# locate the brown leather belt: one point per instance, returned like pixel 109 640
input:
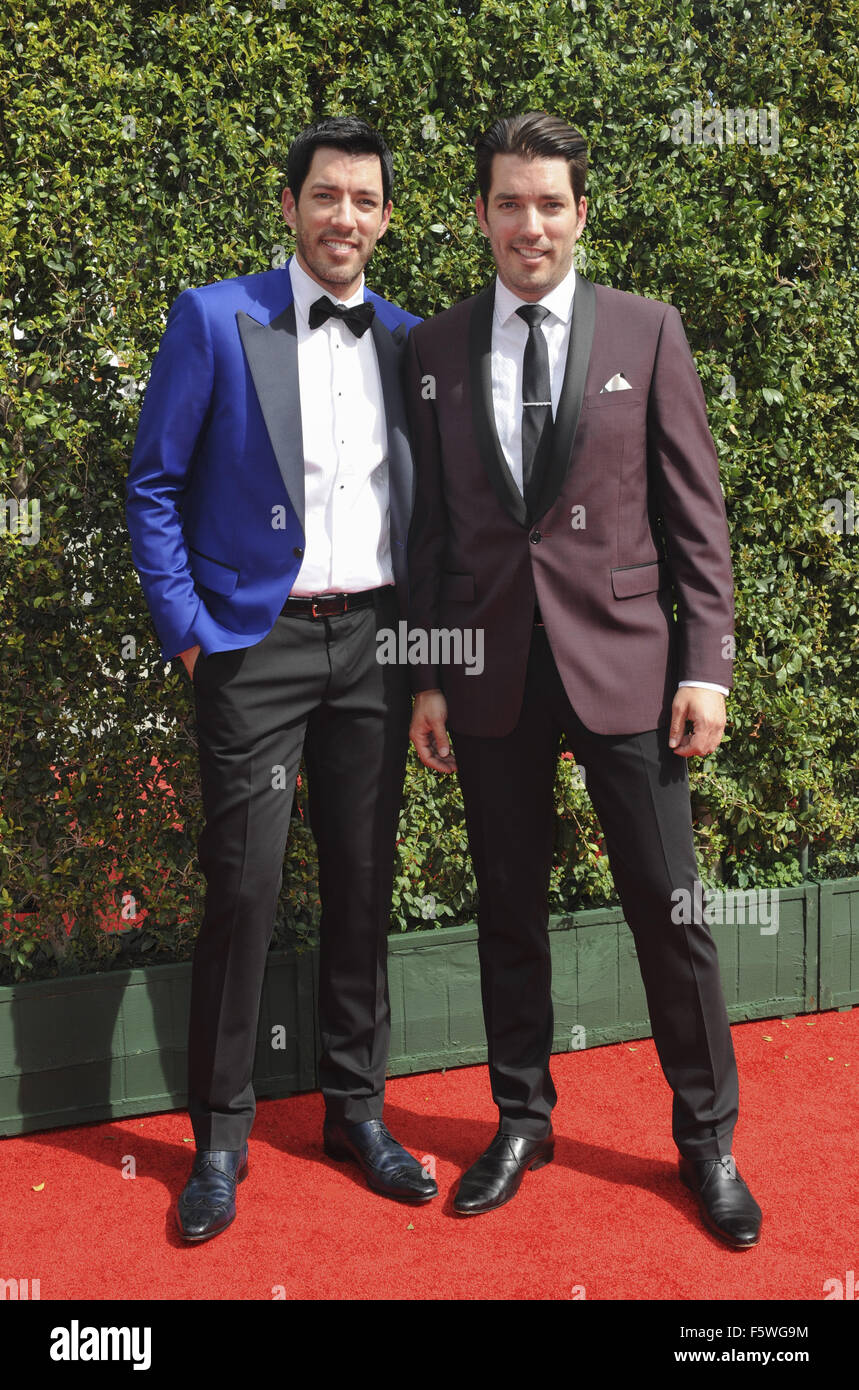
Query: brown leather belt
pixel 329 605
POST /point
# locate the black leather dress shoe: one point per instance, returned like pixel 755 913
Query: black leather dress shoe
pixel 726 1204
pixel 497 1175
pixel 207 1204
pixel 388 1168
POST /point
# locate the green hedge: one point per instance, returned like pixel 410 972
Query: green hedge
pixel 143 151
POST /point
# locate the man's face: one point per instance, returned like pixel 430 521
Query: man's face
pixel 338 218
pixel 532 221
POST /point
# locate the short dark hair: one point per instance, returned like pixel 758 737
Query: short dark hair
pixel 347 133
pixel 533 135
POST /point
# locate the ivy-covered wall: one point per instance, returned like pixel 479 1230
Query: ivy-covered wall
pixel 143 150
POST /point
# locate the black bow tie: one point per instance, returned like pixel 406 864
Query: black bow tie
pixel 358 318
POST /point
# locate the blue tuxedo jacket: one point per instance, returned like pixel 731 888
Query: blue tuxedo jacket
pixel 215 494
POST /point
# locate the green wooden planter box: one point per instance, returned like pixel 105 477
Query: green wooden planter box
pixel 839 943
pixel 99 1046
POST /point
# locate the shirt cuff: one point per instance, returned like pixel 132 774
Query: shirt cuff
pixel 703 685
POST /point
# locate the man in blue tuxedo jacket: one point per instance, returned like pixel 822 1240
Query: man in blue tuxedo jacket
pixel 269 500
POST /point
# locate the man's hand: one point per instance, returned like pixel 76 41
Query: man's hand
pixel 190 659
pixel 428 731
pixel 705 710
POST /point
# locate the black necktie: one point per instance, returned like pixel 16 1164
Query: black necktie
pixel 358 318
pixel 536 402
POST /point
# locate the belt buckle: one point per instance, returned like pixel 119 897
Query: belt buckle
pixel 321 612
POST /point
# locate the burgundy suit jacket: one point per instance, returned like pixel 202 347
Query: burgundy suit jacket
pixel 627 550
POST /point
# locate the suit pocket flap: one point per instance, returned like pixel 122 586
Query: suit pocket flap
pixel 632 580
pixel 211 574
pixel 459 587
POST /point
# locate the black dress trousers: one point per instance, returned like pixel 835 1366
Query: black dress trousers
pixel 312 685
pixel 639 790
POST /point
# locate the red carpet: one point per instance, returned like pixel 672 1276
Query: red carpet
pixel 608 1217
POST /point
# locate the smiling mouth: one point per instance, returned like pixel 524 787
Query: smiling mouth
pixel 530 253
pixel 338 247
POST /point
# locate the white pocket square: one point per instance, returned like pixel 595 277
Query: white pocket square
pixel 617 383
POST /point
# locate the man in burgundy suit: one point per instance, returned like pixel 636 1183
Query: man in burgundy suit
pixel 567 498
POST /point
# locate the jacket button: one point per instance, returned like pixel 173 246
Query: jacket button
pixel 535 538
pixel 298 552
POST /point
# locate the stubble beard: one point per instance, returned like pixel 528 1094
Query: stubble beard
pixel 552 271
pixel 536 285
pixel 325 272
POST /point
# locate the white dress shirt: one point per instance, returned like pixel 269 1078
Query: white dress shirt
pixel 345 439
pixel 509 337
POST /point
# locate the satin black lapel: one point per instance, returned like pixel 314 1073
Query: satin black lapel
pixel 272 353
pixel 480 366
pixel 400 469
pixel 572 393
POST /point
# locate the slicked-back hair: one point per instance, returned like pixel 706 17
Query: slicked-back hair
pixel 347 133
pixel 534 135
